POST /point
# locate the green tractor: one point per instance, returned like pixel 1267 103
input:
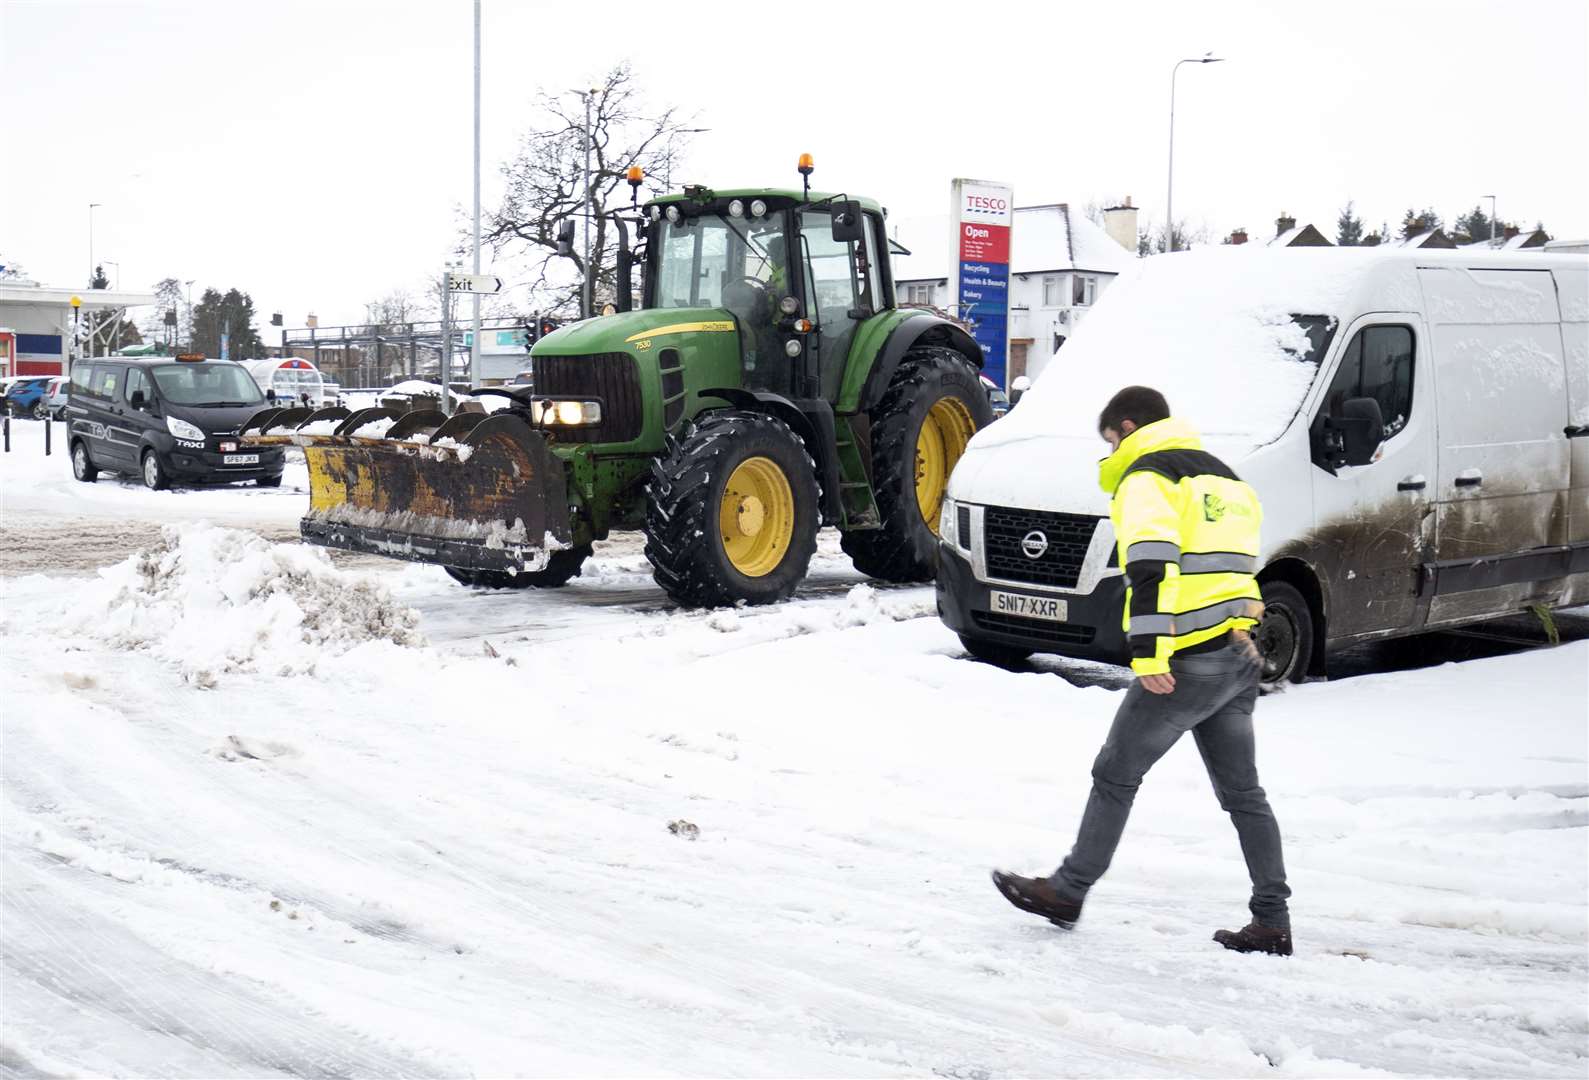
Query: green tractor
pixel 768 386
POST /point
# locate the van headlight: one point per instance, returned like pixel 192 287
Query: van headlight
pixel 183 430
pixel 946 523
pixel 565 413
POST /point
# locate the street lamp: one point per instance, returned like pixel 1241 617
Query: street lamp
pixel 189 284
pixel 1169 194
pixel 584 288
pixel 1492 217
pixel 91 240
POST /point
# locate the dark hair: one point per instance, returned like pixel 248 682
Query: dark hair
pixel 1142 405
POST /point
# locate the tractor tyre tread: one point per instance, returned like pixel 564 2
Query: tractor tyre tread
pixel 683 502
pixel 904 548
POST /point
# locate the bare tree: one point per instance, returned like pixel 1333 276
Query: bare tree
pixel 544 183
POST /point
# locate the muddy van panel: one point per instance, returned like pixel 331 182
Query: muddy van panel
pixel 1501 379
pixel 1572 295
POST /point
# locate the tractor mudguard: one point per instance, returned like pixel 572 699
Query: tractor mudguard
pixel 924 330
pixel 812 420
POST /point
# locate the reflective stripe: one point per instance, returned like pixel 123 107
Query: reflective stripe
pixel 1218 562
pixel 1153 551
pixel 1213 615
pixel 1152 624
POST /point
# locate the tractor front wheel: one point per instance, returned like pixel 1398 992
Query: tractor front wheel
pixel 920 428
pixel 559 570
pixel 732 512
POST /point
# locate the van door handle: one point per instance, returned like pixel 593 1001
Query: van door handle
pixel 1469 478
pixel 1575 431
pixel 1416 482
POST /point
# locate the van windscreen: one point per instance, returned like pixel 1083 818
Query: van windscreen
pixel 207 384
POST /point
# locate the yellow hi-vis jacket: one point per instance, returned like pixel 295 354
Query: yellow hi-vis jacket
pixel 1188 534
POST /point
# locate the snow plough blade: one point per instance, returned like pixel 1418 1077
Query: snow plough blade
pixel 475 490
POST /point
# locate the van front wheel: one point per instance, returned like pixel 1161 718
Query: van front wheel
pixel 154 475
pixel 1284 634
pixel 83 465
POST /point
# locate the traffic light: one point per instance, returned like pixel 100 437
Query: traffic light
pixel 547 326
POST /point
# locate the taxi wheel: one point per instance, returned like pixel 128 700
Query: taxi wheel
pixel 83 465
pixel 154 474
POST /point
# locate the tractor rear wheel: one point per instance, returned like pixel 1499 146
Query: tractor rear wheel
pixel 920 428
pixel 559 570
pixel 732 512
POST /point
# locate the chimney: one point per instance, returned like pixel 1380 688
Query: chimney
pixel 1508 231
pixel 1120 222
pixel 1238 236
pixel 1284 224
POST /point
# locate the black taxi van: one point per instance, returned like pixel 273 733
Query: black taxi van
pixel 166 419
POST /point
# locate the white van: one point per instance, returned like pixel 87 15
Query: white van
pixel 1416 423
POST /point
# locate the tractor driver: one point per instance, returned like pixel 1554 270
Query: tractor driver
pixel 755 298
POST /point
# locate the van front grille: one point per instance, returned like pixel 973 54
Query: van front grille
pixel 1064 540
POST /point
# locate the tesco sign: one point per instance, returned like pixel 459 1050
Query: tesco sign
pixel 984 213
pixel 987 202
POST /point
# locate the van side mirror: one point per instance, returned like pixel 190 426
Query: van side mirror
pixel 847 221
pixel 1362 429
pixel 270 396
pixel 137 400
pixel 1020 386
pixel 1350 436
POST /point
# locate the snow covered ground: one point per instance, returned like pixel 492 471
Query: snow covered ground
pixel 435 839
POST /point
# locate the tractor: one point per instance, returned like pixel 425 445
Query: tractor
pixel 766 386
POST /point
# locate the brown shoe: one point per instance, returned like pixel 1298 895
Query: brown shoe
pixel 1255 938
pixel 1037 896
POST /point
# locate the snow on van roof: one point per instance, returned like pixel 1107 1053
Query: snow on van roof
pixel 1212 329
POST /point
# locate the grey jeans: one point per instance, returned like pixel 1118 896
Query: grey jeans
pixel 1213 698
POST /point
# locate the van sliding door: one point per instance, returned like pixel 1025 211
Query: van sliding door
pixel 1572 294
pixel 1501 496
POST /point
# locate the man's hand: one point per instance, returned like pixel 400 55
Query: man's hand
pixel 1246 646
pixel 1158 684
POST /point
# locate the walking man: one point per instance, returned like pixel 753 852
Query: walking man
pixel 1187 529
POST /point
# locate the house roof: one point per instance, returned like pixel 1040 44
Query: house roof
pixel 1042 239
pixel 1434 238
pixel 1304 235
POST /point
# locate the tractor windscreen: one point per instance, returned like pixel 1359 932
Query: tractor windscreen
pixel 714 261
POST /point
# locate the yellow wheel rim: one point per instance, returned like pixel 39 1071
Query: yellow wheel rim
pixel 945 430
pixel 757 517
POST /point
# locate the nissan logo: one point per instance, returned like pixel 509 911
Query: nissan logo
pixel 1034 544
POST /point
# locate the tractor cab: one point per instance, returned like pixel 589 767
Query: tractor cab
pixel 798 274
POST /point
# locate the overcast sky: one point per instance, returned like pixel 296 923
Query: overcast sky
pixel 312 153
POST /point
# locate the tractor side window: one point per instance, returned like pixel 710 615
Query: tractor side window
pixel 1378 364
pixel 876 244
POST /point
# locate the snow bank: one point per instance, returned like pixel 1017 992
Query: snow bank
pixel 217 601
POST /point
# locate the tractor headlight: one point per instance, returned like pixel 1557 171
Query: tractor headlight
pixel 792 347
pixel 758 209
pixel 656 213
pixel 566 413
pixel 789 305
pixel 183 430
pixel 673 214
pixel 736 209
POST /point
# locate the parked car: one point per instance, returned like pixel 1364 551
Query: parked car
pixel 167 421
pixel 55 398
pixel 1417 429
pixel 25 395
pixel 997 398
